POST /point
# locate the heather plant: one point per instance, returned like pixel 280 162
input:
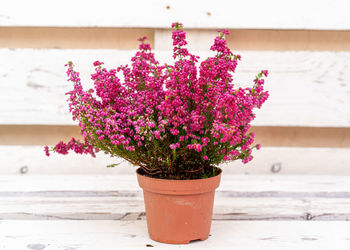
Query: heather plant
pixel 175 121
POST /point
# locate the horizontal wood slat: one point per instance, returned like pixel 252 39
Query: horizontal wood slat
pixel 199 39
pixel 17 160
pixel 227 207
pixel 307 88
pixel 119 198
pixel 110 235
pixel 296 186
pixel 271 136
pixel 270 14
pixel 253 39
pixel 73 38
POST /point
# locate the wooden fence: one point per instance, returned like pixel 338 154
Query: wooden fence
pixel 304 127
pixel 293 195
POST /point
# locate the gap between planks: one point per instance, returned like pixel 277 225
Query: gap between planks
pixel 269 136
pixel 198 39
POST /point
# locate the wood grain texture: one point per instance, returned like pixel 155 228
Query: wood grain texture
pixel 270 14
pixel 79 206
pixel 306 88
pixel 19 160
pixel 109 234
pixel 119 198
pixel 269 136
pixel 199 39
pixel 310 40
pixel 73 38
pixel 275 136
pixel 254 39
pixel 288 184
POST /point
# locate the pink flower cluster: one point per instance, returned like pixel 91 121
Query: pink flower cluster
pixel 167 116
pixel 75 145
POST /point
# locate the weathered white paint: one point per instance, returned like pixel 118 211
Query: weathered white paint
pixel 289 185
pixel 198 40
pixel 270 14
pixel 268 160
pixel 130 206
pixel 111 235
pixel 239 197
pixel 306 88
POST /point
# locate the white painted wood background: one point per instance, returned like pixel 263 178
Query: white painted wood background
pixel 287 198
pixel 306 88
pixel 269 160
pixel 269 14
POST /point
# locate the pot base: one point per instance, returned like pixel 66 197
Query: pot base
pixel 177 242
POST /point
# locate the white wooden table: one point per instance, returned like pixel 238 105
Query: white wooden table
pixel 107 212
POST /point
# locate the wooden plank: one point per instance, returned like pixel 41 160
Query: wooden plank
pixel 126 38
pixel 288 185
pixel 311 40
pixel 274 136
pixel 72 38
pixel 266 40
pixel 30 160
pixel 239 197
pixel 268 136
pixel 306 88
pixel 197 39
pixel 130 206
pixel 270 14
pixel 109 234
pixel 291 185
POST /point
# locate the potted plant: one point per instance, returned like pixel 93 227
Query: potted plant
pixel 177 123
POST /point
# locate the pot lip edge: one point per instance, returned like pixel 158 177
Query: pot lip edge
pixel 172 180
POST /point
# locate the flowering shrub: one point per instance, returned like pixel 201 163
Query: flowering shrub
pixel 174 121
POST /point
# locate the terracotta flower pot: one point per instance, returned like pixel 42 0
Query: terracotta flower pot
pixel 178 211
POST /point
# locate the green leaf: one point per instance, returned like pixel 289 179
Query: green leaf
pixel 113 165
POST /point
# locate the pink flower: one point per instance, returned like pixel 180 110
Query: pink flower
pixel 130 148
pixel 205 157
pixel 172 146
pixel 157 134
pixel 174 131
pixel 247 159
pixel 46 149
pixel 97 63
pixel 151 124
pixel 226 32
